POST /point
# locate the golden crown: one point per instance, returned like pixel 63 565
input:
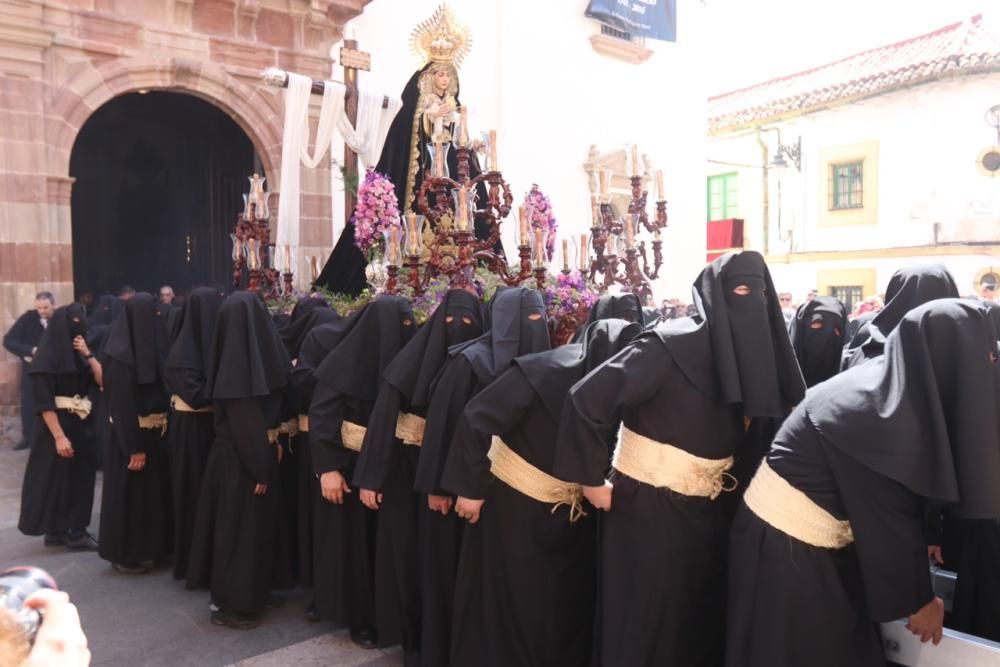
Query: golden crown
pixel 441 38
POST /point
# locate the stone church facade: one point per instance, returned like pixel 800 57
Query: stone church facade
pixel 60 60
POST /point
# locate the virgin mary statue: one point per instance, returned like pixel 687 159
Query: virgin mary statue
pixel 430 105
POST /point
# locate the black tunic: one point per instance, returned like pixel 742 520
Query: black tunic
pixel 232 550
pixel 20 340
pixel 662 555
pixel 58 493
pixel 136 515
pixel 524 593
pixel 793 604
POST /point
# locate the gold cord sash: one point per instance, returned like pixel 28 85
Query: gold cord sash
pixel 665 466
pixel 510 468
pixel 782 506
pixel 180 405
pixel 78 405
pixel 289 428
pixel 410 429
pixel 154 420
pixel 303 423
pixel 352 435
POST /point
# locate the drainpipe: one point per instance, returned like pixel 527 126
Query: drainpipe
pixel 767 198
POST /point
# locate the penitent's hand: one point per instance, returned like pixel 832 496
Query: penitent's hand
pixel 333 486
pixel 370 499
pixel 928 623
pixel 64 447
pixel 440 504
pixel 137 462
pixel 599 496
pixel 467 508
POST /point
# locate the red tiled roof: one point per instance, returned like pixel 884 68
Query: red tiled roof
pixel 961 48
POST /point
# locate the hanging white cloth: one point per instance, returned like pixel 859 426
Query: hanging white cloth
pixel 294 142
pixel 367 136
pixel 329 116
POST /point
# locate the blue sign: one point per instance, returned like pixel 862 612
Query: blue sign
pixel 655 19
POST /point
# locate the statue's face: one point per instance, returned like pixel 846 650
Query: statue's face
pixel 442 79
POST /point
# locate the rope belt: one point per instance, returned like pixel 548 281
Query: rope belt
pixel 665 466
pixel 290 428
pixel 78 405
pixel 782 506
pixel 154 420
pixel 508 466
pixel 352 435
pixel 180 405
pixel 410 429
pixel 303 423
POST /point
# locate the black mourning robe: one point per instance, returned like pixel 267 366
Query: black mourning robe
pixel 817 333
pixel 99 325
pixel 689 383
pixel 388 466
pixel 23 336
pixel 344 535
pixel 874 445
pixel 472 368
pixel 316 344
pixel 613 306
pixel 136 514
pixel 57 495
pixel 233 544
pixel 190 434
pixel 524 594
pixel 908 288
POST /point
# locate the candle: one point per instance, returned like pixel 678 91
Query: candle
pixel 597 215
pixel 522 214
pixel 411 232
pixel 584 251
pixel 288 259
pixel 463 209
pixel 612 245
pixel 493 150
pixel 604 184
pixel 629 233
pixel 463 135
pixel 656 235
pixel 393 245
pixel 659 185
pixel 635 159
pixel 438 128
pixel 539 250
pixel 438 160
pixel 565 255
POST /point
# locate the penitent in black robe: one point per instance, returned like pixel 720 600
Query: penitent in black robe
pixel 189 434
pixel 517 327
pixel 57 495
pixel 388 466
pixel 233 543
pixel 794 604
pixel 19 340
pixel 346 389
pixel 136 515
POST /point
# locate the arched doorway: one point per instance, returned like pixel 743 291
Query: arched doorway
pixel 159 178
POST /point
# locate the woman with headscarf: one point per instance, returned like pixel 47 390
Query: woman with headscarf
pixel 344 535
pixel 57 495
pixel 387 463
pixel 908 288
pixel 817 334
pixel 190 430
pixel 613 306
pixel 518 327
pixel 524 594
pixel 830 538
pixel 683 393
pixel 136 512
pixel 232 549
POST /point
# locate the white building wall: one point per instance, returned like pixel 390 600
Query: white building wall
pixel 533 75
pixel 928 138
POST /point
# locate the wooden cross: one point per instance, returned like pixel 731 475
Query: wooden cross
pixel 353 60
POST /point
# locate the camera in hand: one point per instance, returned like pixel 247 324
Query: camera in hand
pixel 19 583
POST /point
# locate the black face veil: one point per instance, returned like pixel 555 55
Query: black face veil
pixel 457 319
pixel 518 327
pixel 55 354
pixel 818 338
pixel 138 338
pixel 752 353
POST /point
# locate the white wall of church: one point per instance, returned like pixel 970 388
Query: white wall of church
pixel 928 140
pixel 533 75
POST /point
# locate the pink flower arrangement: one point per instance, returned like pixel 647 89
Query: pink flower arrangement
pixel 377 210
pixel 542 218
pixel 568 296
